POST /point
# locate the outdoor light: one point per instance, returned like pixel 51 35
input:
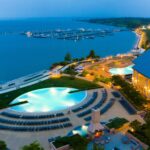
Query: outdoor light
pixel 84 127
pixel 45 109
pixel 30 94
pixel 75 132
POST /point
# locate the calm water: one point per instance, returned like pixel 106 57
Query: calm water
pixel 48 99
pixel 20 55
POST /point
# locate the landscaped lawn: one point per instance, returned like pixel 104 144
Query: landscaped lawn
pixel 142 132
pixel 131 94
pixel 76 142
pixel 5 99
pixel 117 123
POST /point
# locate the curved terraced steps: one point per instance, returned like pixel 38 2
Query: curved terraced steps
pixel 104 104
pixel 23 122
pixel 86 109
pixel 14 121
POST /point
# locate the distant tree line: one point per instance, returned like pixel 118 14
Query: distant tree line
pixel 128 22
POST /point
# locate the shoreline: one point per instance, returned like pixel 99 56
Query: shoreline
pixel 139 34
pixel 137 45
pixel 38 77
pixel 4 87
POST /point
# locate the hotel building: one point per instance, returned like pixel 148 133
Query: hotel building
pixel 141 74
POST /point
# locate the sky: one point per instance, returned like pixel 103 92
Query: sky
pixel 74 8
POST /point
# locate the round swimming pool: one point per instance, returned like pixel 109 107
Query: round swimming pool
pixel 48 99
pixel 122 71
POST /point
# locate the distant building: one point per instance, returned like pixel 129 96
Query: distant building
pixel 141 74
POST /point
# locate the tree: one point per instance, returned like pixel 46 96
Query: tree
pixel 84 73
pixel 68 57
pixel 135 125
pixel 3 145
pixel 33 146
pixel 96 79
pixel 92 54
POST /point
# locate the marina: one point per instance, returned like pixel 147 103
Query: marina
pixel 59 36
pixel 73 34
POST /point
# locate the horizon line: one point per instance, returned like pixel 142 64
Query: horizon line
pixel 73 17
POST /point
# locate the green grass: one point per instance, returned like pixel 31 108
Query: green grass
pixel 117 123
pixel 6 98
pixel 142 132
pixel 76 142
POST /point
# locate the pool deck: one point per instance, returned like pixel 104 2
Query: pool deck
pixel 115 140
pixel 101 68
pixel 23 138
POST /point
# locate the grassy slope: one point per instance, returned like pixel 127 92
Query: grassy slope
pixel 133 96
pixel 5 99
pixel 142 132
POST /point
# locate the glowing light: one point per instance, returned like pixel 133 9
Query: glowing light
pixel 145 87
pixel 84 127
pixel 65 92
pixel 53 91
pixel 45 109
pixel 30 94
pixel 135 80
pixel 132 130
pixel 75 132
pixel 69 103
pixel 21 99
pixel 30 109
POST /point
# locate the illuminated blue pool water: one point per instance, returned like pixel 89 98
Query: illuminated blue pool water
pixel 122 71
pixel 48 99
pixel 81 130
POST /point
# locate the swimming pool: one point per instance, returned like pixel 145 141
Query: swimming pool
pixel 81 130
pixel 122 71
pixel 49 99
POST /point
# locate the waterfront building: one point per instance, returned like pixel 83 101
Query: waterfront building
pixel 141 74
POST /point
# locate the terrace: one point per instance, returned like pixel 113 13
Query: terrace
pixel 58 123
pixel 101 69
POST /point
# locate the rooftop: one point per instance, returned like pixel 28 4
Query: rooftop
pixel 142 64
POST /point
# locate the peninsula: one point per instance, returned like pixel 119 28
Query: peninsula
pixel 140 25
